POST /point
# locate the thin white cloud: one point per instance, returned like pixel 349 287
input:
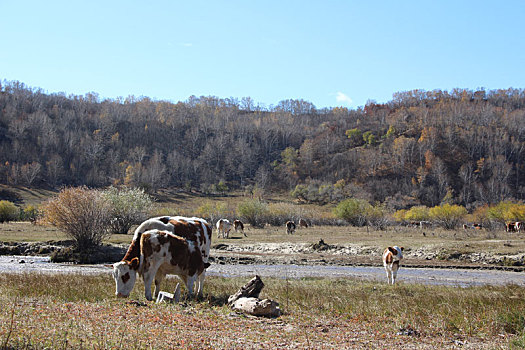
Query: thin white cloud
pixel 187 44
pixel 342 98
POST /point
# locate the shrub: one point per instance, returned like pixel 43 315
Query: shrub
pixel 399 215
pixel 448 216
pixel 8 211
pixel 417 213
pixel 506 211
pixel 253 211
pixel 30 213
pixel 300 192
pixel 213 211
pixel 128 206
pixel 353 210
pixel 279 213
pixel 81 213
pixel 377 217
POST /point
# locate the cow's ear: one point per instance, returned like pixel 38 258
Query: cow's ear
pixel 206 265
pixel 402 248
pixel 134 263
pixel 392 250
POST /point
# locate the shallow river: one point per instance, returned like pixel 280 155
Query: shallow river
pixel 454 277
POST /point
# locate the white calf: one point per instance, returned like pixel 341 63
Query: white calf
pixel 223 227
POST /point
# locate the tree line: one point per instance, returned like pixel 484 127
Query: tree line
pixel 421 148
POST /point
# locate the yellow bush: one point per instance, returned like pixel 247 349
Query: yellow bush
pixel 448 215
pixel 417 213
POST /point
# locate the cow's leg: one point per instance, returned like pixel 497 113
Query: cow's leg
pixel 200 284
pixel 159 278
pixel 244 233
pixel 148 277
pixel 388 274
pixel 189 285
pixel 395 267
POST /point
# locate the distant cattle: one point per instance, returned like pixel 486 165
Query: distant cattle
pixel 472 226
pixel 425 224
pixel 391 259
pixel 516 226
pixel 195 230
pixel 413 224
pixel 290 227
pixel 510 227
pixel 303 223
pixel 223 228
pixel 239 227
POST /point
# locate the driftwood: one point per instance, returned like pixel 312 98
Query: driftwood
pixel 252 289
pixel 247 300
pixel 165 297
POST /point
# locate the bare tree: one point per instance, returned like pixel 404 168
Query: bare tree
pixel 29 172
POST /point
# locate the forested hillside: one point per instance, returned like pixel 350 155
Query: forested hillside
pixel 422 147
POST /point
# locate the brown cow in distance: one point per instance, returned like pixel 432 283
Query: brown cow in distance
pixel 290 227
pixel 239 226
pixel 303 223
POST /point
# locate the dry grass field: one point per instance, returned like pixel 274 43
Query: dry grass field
pixel 77 311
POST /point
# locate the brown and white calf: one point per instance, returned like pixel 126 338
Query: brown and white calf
pixel 164 253
pixel 239 226
pixel 391 259
pixel 223 228
pixel 195 230
pixel 290 227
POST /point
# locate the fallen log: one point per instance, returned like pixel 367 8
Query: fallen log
pixel 252 289
pixel 247 300
pixel 257 307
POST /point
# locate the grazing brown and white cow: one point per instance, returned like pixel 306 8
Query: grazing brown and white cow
pixel 290 227
pixel 391 258
pixel 223 227
pixel 195 230
pixel 239 226
pixel 162 252
pixel 303 223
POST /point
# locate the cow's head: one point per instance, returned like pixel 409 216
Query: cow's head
pixel 125 275
pixel 397 252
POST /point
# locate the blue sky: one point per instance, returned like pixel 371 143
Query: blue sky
pixel 331 53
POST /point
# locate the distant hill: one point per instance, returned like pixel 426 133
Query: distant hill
pixel 424 147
